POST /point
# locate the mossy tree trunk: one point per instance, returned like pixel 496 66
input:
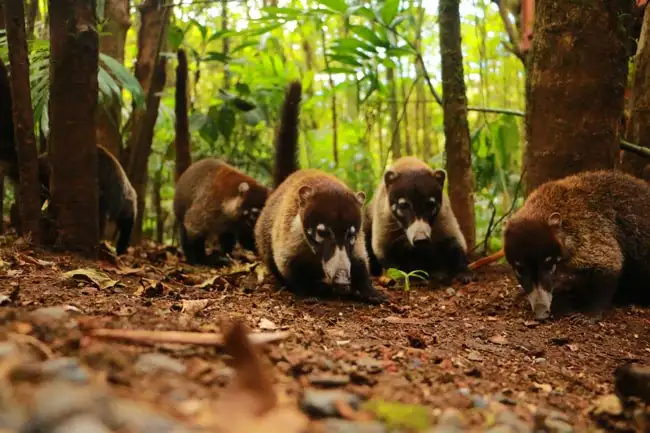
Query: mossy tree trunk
pixel 454 100
pixel 638 129
pixel 576 76
pixel 29 186
pixel 74 50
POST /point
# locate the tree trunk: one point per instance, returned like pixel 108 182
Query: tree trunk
pixel 73 152
pixel 395 142
pixel 183 153
pixel 638 130
pixel 577 74
pixel 2 174
pixel 157 204
pixel 422 105
pixel 454 101
pixel 226 42
pixel 29 186
pixel 33 13
pixel 153 28
pixel 116 13
pixel 334 104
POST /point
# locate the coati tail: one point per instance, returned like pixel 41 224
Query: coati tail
pixel 7 147
pixel 183 157
pixel 286 140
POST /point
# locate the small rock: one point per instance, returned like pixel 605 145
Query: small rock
pixel 557 426
pixel 329 379
pixel 450 421
pixel 450 291
pixel 129 416
pixel 473 355
pixel 267 325
pixel 539 360
pixel 49 313
pixel 333 425
pixel 56 400
pixel 464 391
pixel 371 365
pixel 81 424
pixel 65 369
pixel 479 402
pixel 498 339
pixel 607 404
pixel 322 402
pixel 151 362
pixel 511 420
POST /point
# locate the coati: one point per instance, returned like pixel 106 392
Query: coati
pixel 117 197
pixel 586 235
pixel 309 233
pixel 411 225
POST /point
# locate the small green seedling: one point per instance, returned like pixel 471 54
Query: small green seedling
pixel 397 275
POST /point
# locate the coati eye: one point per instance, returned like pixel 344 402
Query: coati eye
pixel 402 204
pixel 352 235
pixel 245 213
pixel 321 232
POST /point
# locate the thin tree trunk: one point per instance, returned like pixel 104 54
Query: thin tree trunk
pixel 395 136
pixel 335 121
pixel 112 42
pixel 25 142
pixel 638 130
pixel 225 42
pixel 457 142
pixel 153 28
pixel 33 13
pixel 183 154
pixel 2 173
pixel 577 74
pixel 405 110
pixel 157 204
pixel 423 106
pixel 73 153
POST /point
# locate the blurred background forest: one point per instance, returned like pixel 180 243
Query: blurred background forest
pixel 371 76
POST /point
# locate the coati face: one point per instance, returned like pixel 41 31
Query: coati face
pixel 331 222
pixel 534 250
pixel 415 199
pixel 253 199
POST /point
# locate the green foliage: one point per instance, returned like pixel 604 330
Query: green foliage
pixel 395 415
pixel 397 274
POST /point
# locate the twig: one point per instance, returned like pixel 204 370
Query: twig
pixel 403 113
pixel 635 148
pixel 180 337
pixel 511 31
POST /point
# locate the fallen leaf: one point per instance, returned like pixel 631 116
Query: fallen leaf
pixel 267 325
pixel 193 306
pixel 572 347
pixel 238 268
pixel 130 271
pixel 151 288
pixel 100 279
pixel 545 387
pixel 607 404
pixel 498 339
pixel 207 283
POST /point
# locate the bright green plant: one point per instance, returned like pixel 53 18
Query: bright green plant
pixel 397 275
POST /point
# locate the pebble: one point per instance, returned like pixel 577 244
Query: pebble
pixel 474 356
pixel 152 362
pixel 49 313
pixel 558 426
pixel 64 369
pixel 510 419
pixel 329 380
pixel 85 423
pixel 333 425
pixel 371 365
pixel 322 402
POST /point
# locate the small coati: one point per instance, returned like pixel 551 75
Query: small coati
pixel 587 236
pixel 215 199
pixel 309 233
pixel 117 197
pixel 411 225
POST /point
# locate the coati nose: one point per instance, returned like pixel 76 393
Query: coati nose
pixel 420 238
pixel 541 312
pixel 342 277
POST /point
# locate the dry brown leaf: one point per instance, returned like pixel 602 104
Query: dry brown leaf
pixel 207 283
pixel 267 325
pixel 193 306
pixel 130 271
pixel 100 279
pixel 498 339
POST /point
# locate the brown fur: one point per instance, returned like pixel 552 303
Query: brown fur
pixel 411 179
pixel 584 234
pixel 282 231
pixel 208 202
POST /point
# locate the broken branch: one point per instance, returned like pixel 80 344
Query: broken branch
pixel 180 337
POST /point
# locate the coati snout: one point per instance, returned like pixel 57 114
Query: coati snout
pixel 330 235
pixel 534 249
pixel 415 200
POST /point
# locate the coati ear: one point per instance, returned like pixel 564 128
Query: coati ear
pixel 243 188
pixel 389 177
pixel 555 220
pixel 304 193
pixel 440 176
pixel 361 197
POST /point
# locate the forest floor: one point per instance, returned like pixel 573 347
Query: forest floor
pixel 462 358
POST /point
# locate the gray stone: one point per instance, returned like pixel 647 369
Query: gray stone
pixel 333 425
pixel 322 402
pixel 81 424
pixel 131 416
pixel 64 369
pixel 152 362
pixel 59 399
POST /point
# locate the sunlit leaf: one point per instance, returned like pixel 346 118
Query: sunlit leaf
pixel 395 274
pixel 336 5
pixel 284 11
pixel 175 36
pixel 389 11
pixel 399 51
pixel 243 88
pixel 215 56
pixel 368 35
pixel 362 11
pixel 210 131
pixel 253 117
pixel 339 70
pixel 346 60
pixel 197 120
pixel 124 77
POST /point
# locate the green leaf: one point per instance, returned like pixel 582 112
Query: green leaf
pixel 214 56
pixel 423 275
pixel 399 51
pixel 242 104
pixel 226 120
pixel 369 36
pixel 362 11
pixel 260 31
pixel 175 36
pixel 338 70
pixel 253 117
pixel 197 120
pixel 346 60
pixel 210 131
pixel 396 274
pixel 202 29
pixel 243 46
pixel 243 88
pixel 353 44
pixel 125 78
pixel 287 12
pixel 335 5
pixel 389 11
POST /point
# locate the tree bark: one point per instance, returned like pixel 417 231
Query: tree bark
pixel 29 186
pixel 638 130
pixel 577 74
pixel 153 28
pixel 395 142
pixel 109 119
pixel 454 102
pixel 225 43
pixel 183 153
pixel 2 113
pixel 74 46
pixel 33 14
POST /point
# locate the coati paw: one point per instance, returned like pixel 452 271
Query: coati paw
pixel 374 297
pixel 467 277
pixel 582 319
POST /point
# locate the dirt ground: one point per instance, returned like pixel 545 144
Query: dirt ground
pixel 448 347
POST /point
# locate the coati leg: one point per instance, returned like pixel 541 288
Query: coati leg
pixel 124 226
pixel 596 289
pixel 227 242
pixel 455 260
pixel 375 266
pixel 361 283
pixel 194 248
